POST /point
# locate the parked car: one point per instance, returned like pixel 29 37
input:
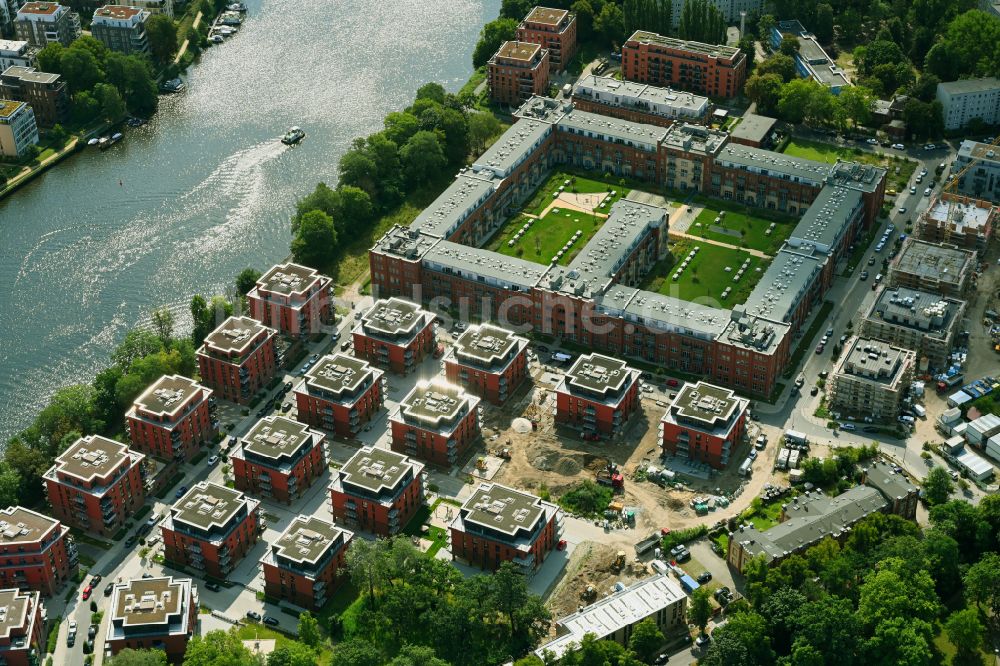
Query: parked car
pixel 872 142
pixel 214 587
pixel 147 576
pixel 86 592
pixel 212 460
pixel 270 621
pixel 902 210
pixel 285 408
pixel 71 636
pixel 95 579
pixel 92 632
pixel 287 387
pixel 180 492
pixel 819 348
pixel 131 540
pixel 814 390
pixel 704 577
pixel 88 647
pixel 848 427
pixel 863 277
pixel 871 261
pixel 703 640
pixel 253 615
pixel 109 588
pixel 345 345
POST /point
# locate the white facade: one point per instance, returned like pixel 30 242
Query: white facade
pixel 962 101
pixel 14 53
pixel 18 131
pixel 152 6
pixel 730 9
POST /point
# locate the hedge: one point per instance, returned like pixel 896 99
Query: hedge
pixel 683 536
pixel 54 634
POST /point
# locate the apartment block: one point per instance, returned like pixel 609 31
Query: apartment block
pixel 638 102
pixel 42 23
pixel 121 29
pixel 902 495
pixel 488 361
pixel 22 626
pixel 306 565
pixel 733 11
pixel 173 418
pixel 96 485
pixel 944 270
pixel 982 180
pixel 958 220
pixel 45 93
pixel 211 529
pixel 436 422
pixel 963 101
pixel 294 299
pixel 517 71
pixel 598 394
pixel 239 358
pixel 16 53
pixel 18 131
pixel 499 524
pixel 377 491
pixel 165 7
pixel 552 29
pixel 278 459
pixel 706 69
pixel 811 60
pixel 704 423
pixel 36 552
pixel 394 334
pixel 912 319
pixel 340 394
pixel 871 379
pixel 158 613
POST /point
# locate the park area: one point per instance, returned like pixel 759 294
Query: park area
pixel 735 225
pixel 541 239
pixel 567 183
pixel 900 168
pixel 708 273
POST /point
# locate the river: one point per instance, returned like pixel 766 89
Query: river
pixel 205 188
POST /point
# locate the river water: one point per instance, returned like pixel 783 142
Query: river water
pixel 206 189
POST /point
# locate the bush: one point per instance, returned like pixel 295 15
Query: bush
pixel 586 498
pixel 53 639
pixel 678 537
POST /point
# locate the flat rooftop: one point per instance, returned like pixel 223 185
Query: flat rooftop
pixel 277 437
pixel 9 107
pixel 652 99
pixel 92 457
pixel 982 152
pixel 599 374
pixel 961 214
pixel 435 404
pixel 44 8
pixel 934 262
pixel 546 15
pixel 893 486
pixel 472 263
pixel 783 285
pixel 662 312
pixel 966 86
pixel 377 469
pixel 168 395
pixel 149 601
pixel 757 160
pixel 20 525
pixel 13 46
pixel 707 405
pixel 827 219
pixel 395 318
pixel 405 242
pixel 307 540
pixel 30 75
pixel 15 605
pixel 754 333
pixel 488 345
pixel 695 139
pixel 873 361
pixel 340 374
pixel 502 509
pixel 513 147
pixel 235 335
pixel 586 123
pixel 446 213
pixel 753 127
pixel 289 279
pixel 914 309
pixel 208 505
pixel 711 50
pixel 117 12
pixel 522 51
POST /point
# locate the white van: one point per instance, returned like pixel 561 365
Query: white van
pixel 659 566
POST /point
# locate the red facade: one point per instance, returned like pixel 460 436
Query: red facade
pixel 591 400
pixel 238 359
pixel 36 552
pixel 552 29
pixel 713 71
pixel 278 459
pixel 377 491
pixel 22 628
pixel 705 424
pixel 516 72
pixel 173 419
pixel 489 362
pixel 293 299
pixel 167 623
pixel 422 429
pixel 395 334
pixel 306 579
pixel 326 400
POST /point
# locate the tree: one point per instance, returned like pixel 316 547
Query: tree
pixel 161 34
pixel 358 169
pixel 483 126
pixel 10 485
pixel 795 99
pixel 764 91
pixel 432 91
pixel 894 591
pixel 491 38
pixel 132 76
pixel 610 23
pixel 112 105
pixel 789 46
pixel 308 629
pixel 749 49
pixel 138 343
pixel 700 610
pixel 217 648
pixel 779 64
pixel 854 103
pixel 965 631
pixel 941 554
pixel 822 25
pixel 422 157
pixel 742 640
pixel 765 25
pixel 982 583
pixel 584 11
pixel 247 280
pixel 780 610
pixel 970 47
pixel 163 324
pixel 50 58
pixel 594 652
pixel 646 639
pixel 355 652
pixel 702 21
pixel 368 566
pixel 315 242
pixel 79 68
pixel 144 657
pixel 417 655
pixel 938 486
pixel 830 626
pixel 400 126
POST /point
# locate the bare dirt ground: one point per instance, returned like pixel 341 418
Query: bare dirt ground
pixel 593 564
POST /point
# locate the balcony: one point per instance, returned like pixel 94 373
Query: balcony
pixel 525 562
pixel 319 586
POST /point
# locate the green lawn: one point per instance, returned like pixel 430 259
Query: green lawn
pixel 547 235
pixel 950 653
pixel 828 152
pixel 705 275
pixel 748 229
pixel 577 184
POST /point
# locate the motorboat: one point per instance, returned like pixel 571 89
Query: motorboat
pixel 237 7
pixel 104 142
pixel 93 142
pixel 172 86
pixel 293 136
pixel 230 18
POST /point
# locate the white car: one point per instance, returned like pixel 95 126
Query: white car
pixel 873 142
pixel 898 146
pixel 902 210
pixel 213 460
pixel 913 189
pixel 848 426
pixel 927 192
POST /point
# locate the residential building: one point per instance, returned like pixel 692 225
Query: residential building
pixel 340 394
pixel 811 60
pixel 173 418
pixel 499 524
pixel 395 334
pixel 704 423
pixel 211 528
pixel 488 361
pixel 278 459
pixel 871 378
pixel 22 627
pixel 307 564
pixel 992 448
pixel 990 7
pixel 436 422
pixel 901 494
pixel 377 491
pixel 733 11
pixel 44 92
pixel 552 29
pixel 598 394
pixel 294 299
pixel 96 485
pixel 517 71
pixel 43 23
pixel 165 7
pixel 158 613
pixel 981 429
pixel 706 69
pixel 239 358
pixel 963 101
pixel 36 552
pixel 16 53
pixel 638 102
pixel 945 270
pixel 121 29
pixel 982 180
pixel 613 617
pixel 18 131
pixel 958 220
pixel 912 319
pixel 804 522
pixel 753 130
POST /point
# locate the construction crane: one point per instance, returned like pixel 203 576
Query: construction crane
pixel 954 210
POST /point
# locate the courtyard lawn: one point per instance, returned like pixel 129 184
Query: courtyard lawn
pixel 742 229
pixel 900 168
pixel 547 235
pixel 577 185
pixel 705 276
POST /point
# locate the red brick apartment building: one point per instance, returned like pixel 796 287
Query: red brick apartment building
pixel 499 524
pixel 96 484
pixel 173 418
pixel 36 552
pixel 488 361
pixel 153 613
pixel 437 422
pixel 293 299
pixel 306 565
pixel 211 529
pixel 278 459
pixel 21 628
pixel 704 423
pixel 516 72
pixel 377 491
pixel 707 69
pixel 340 394
pixel 239 358
pixel 394 334
pixel 599 394
pixel 554 30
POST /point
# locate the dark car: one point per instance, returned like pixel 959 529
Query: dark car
pixel 814 390
pixel 88 647
pixel 92 632
pixel 661 659
pixel 109 588
pixel 270 621
pixel 261 413
pixel 287 387
pixel 253 615
pixel 871 429
pixel 212 586
pixel 130 541
pixel 180 492
pixel 95 579
pixel 704 577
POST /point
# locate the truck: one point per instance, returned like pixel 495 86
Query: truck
pixel 949 382
pixel 747 467
pixel 647 544
pixel 567 90
pixel 689 584
pixel 782 462
pixel 795 437
pixel 559 357
pixel 612 477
